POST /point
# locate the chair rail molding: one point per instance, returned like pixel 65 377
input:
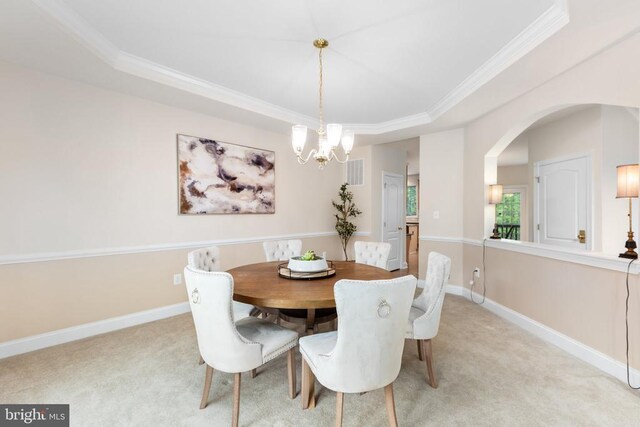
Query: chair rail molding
pixel 591 259
pixel 162 247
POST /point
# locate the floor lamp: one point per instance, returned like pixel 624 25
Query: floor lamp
pixel 495 197
pixel 628 183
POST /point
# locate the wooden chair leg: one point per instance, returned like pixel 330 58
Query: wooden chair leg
pixel 308 383
pixel 420 356
pixel 391 405
pixel 201 361
pixel 291 368
pixel 235 419
pixel 429 362
pixel 339 406
pixel 253 373
pixel 207 386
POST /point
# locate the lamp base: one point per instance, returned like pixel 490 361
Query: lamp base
pixel 496 234
pixel 629 255
pixel 630 244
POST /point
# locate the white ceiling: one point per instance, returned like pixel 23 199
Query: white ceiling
pixel 419 66
pixel 386 60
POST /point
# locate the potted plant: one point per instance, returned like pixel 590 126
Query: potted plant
pixel 346 210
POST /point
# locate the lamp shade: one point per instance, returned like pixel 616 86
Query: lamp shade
pixel 495 194
pixel 298 138
pixel 628 181
pixel 347 140
pixel 334 131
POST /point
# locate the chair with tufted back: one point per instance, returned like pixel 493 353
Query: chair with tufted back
pixel 366 352
pixel 208 259
pixel 233 346
pixel 372 253
pixel 424 317
pixel 281 250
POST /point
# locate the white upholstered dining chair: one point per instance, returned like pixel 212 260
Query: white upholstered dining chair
pixel 372 253
pixel 281 250
pixel 208 259
pixel 366 352
pixel 233 346
pixel 424 317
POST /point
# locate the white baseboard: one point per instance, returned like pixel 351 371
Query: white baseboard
pixel 592 356
pixel 61 336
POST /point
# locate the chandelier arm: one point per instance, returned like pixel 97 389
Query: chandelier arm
pixel 337 159
pixel 304 161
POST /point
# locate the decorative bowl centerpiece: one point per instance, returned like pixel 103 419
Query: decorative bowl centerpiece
pixel 307 263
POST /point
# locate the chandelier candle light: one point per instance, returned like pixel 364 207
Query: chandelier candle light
pixel 628 186
pixel 329 138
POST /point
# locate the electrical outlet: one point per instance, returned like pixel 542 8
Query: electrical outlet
pixel 471 283
pixel 177 279
pixel 476 272
pixel 436 214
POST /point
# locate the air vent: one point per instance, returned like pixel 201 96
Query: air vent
pixel 355 172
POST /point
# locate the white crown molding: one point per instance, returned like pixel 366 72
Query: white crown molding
pixel 547 24
pixel 61 336
pixel 590 355
pixel 542 28
pixel 126 250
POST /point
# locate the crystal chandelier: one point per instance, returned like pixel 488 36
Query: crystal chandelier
pixel 329 138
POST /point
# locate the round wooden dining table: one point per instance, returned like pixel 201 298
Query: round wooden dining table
pixel 260 285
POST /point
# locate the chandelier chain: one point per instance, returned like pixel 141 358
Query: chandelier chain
pixel 321 130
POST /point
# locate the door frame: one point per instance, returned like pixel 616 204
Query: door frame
pixel 589 184
pixel 403 235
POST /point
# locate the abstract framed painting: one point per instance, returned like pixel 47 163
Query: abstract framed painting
pixel 216 177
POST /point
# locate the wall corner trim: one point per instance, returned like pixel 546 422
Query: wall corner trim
pixel 587 354
pixel 61 336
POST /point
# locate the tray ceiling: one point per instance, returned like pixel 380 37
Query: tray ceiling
pixel 389 64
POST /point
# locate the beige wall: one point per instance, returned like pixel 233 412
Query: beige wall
pixel 384 158
pixel 362 193
pixel 557 294
pixel 576 134
pixel 85 169
pixel 441 190
pixel 513 175
pixel 620 140
pixel 584 303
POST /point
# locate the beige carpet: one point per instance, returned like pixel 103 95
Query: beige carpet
pixel 491 373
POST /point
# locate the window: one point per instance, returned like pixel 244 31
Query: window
pixel 508 216
pixel 412 201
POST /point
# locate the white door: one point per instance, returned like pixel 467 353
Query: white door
pixel 563 202
pixel 393 217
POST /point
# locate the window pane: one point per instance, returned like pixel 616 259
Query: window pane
pixel 508 216
pixel 412 201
